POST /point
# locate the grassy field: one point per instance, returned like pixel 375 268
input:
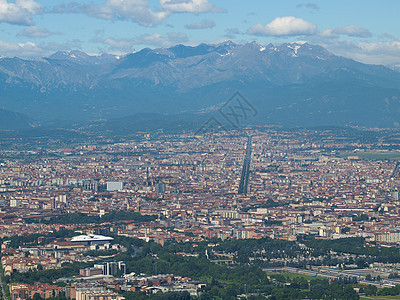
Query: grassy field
pixel 373 155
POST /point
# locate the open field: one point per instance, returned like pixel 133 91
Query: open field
pixel 373 155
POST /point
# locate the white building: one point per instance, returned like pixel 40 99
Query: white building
pixel 114 186
pixel 91 239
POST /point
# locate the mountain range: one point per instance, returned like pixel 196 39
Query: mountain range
pixel 292 84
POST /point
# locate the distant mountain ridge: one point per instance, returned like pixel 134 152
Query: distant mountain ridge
pixel 294 84
pixel 83 58
pixel 12 120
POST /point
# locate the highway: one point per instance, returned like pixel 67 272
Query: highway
pixel 244 179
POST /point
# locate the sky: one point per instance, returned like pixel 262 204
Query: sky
pixel 364 30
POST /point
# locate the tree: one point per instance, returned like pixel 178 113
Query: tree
pixel 370 290
pixel 37 297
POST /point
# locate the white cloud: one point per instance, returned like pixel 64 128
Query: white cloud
pixel 379 53
pixel 327 33
pixel 231 33
pixel 30 49
pixel 19 12
pixel 71 7
pixel 352 30
pixel 384 53
pixel 308 5
pixel 22 50
pixel 392 47
pixel 284 26
pixel 138 11
pixel 35 32
pixel 189 6
pixel 161 40
pixel 156 40
pixel 201 25
pixel 7 47
pixel 124 45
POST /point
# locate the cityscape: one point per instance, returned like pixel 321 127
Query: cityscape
pixel 90 205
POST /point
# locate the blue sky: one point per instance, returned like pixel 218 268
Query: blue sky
pixel 367 31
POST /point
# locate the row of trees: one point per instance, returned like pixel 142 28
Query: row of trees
pixel 32 239
pixel 356 245
pixel 114 216
pixel 47 276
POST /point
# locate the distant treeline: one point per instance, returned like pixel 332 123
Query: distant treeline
pixel 80 218
pixel 356 245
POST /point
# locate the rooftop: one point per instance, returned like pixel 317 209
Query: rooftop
pixel 91 238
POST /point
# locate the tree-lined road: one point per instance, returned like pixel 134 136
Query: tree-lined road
pixel 244 179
